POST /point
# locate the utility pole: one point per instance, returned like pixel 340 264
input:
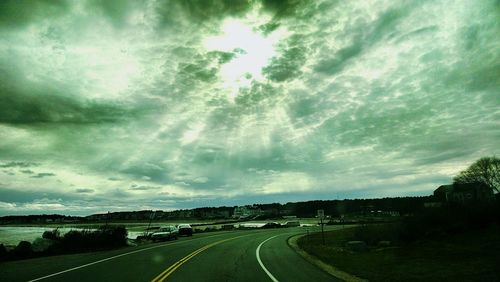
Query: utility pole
pixel 151 219
pixel 107 221
pixel 321 215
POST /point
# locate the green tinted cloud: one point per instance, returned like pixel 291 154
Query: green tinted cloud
pixel 18 13
pixel 287 65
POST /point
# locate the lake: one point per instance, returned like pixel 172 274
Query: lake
pixel 12 235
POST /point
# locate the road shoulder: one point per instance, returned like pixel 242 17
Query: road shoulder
pixel 292 242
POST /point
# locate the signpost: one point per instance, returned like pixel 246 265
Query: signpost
pixel 151 216
pixel 321 216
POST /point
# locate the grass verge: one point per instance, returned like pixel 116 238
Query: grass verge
pixel 469 256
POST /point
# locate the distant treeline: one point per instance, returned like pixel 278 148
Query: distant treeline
pixel 333 208
pixel 43 218
pixel 336 208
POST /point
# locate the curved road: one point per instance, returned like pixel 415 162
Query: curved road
pixel 258 255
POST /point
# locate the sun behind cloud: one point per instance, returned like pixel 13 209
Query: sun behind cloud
pixel 253 51
pixel 132 105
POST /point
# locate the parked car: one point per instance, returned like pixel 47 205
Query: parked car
pixel 291 224
pixel 185 229
pixel 272 225
pixel 165 233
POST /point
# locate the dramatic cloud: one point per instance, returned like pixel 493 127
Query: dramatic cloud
pixel 84 190
pixel 18 164
pixel 43 174
pixel 176 104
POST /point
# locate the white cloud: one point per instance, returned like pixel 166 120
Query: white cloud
pixel 289 182
pixel 385 99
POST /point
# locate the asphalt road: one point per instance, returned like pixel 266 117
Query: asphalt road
pixel 257 255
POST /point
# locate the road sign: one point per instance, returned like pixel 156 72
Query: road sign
pixel 321 214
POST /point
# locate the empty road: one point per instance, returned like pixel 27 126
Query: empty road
pixel 255 255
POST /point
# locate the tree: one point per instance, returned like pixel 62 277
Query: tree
pixel 485 170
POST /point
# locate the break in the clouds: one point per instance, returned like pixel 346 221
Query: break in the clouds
pixel 179 104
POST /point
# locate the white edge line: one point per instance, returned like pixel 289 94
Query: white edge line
pixel 99 261
pixel 257 254
pixel 110 258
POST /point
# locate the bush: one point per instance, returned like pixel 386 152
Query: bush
pixel 52 242
pixel 374 233
pixel 22 250
pixel 452 219
pixel 112 235
pixel 436 223
pixel 3 252
pixel 104 237
pixel 52 235
pixel 41 245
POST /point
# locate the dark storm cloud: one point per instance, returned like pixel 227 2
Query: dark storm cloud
pixel 269 27
pixel 43 174
pixel 445 155
pixel 198 71
pixel 283 8
pixel 288 65
pixel 18 13
pixel 341 58
pixel 84 191
pixel 154 172
pixel 172 13
pixel 254 95
pixel 114 179
pixel 201 10
pixel 438 148
pixel 363 38
pixel 19 164
pixel 23 102
pixel 26 196
pixel 115 10
pixel 175 13
pixel 223 57
pixel 199 68
pixel 343 98
pixel 136 187
pixel 304 107
pixel 15 108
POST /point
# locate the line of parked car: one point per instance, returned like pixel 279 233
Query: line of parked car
pixel 171 232
pixel 281 225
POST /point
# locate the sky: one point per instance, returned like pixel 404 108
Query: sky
pixel 111 105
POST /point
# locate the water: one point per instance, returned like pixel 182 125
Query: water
pixel 12 235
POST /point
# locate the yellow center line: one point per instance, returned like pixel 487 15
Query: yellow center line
pixel 178 264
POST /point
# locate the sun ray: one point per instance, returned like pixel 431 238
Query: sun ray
pixel 253 51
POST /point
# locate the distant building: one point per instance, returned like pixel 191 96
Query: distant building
pixel 246 212
pixel 464 193
pixel 433 204
pixel 286 212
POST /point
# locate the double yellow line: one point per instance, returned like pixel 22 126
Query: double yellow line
pixel 182 261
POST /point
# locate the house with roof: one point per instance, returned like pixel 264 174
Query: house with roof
pixel 464 193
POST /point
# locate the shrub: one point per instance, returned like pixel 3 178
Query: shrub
pixel 22 250
pixel 52 235
pixel 374 233
pixel 104 237
pixel 436 223
pixel 41 245
pixel 451 219
pixel 3 252
pixel 112 235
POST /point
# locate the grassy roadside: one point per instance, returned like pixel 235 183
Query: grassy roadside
pixel 469 256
